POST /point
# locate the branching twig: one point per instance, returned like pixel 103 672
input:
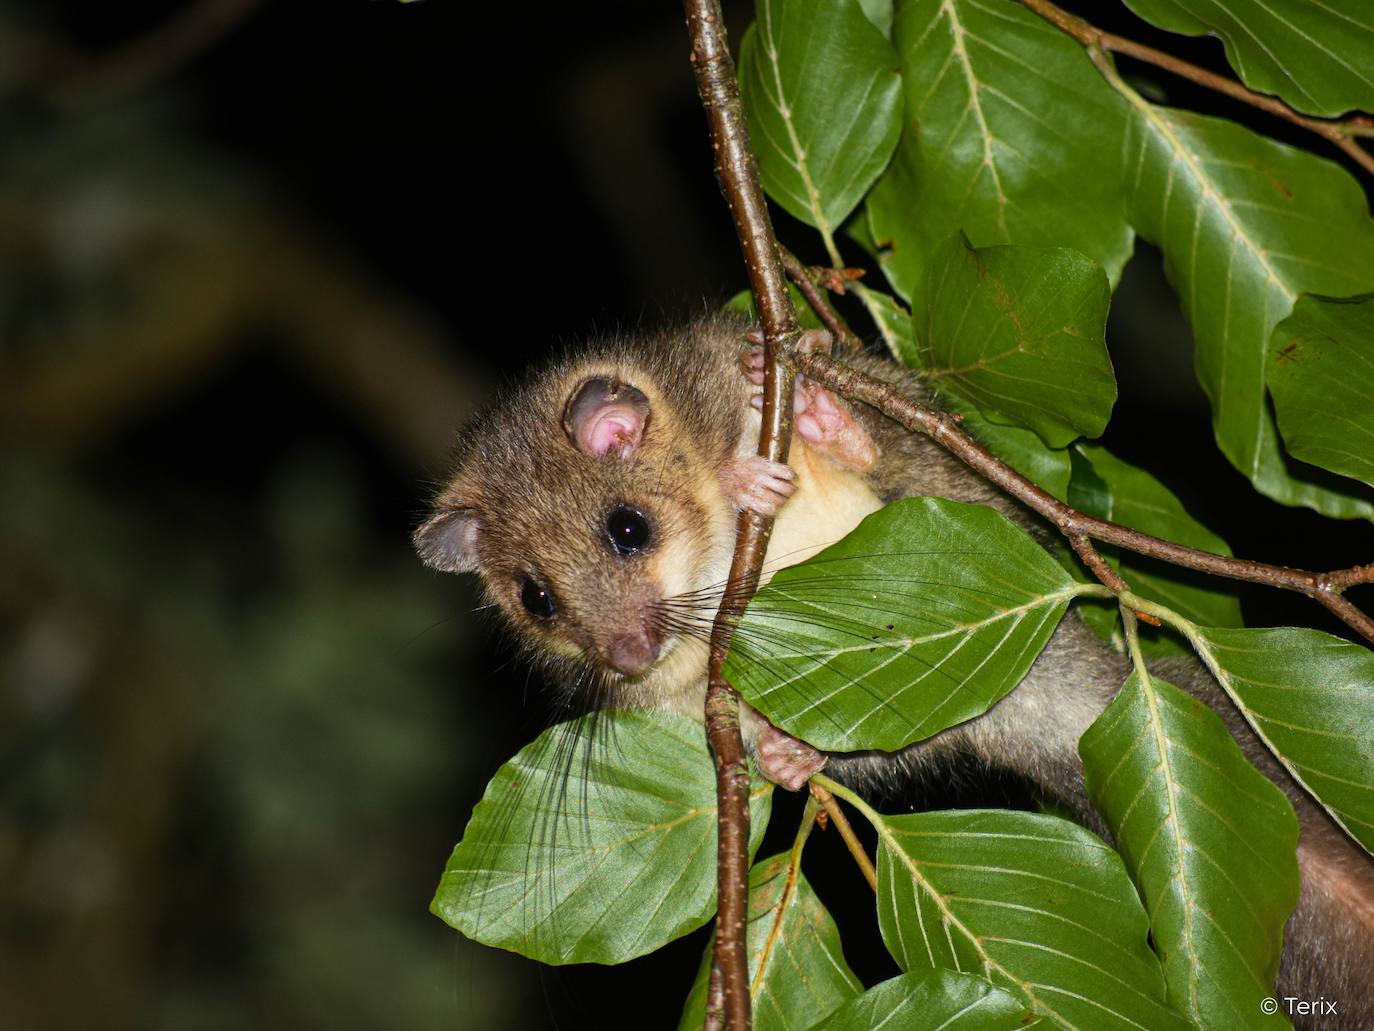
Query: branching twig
pixel 805 280
pixel 1098 566
pixel 841 822
pixel 1337 132
pixel 943 428
pixel 728 995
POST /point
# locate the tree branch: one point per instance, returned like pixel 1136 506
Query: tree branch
pixel 807 282
pixel 728 1000
pixel 1337 132
pixel 943 428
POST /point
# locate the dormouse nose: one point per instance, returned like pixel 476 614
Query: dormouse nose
pixel 632 653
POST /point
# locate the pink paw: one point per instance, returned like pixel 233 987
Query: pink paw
pixel 786 761
pixel 756 484
pixel 826 423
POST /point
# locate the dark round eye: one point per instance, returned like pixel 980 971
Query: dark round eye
pixel 627 530
pixel 537 599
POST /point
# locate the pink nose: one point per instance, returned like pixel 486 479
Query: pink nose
pixel 632 653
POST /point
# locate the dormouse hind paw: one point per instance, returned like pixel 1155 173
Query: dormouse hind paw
pixel 757 484
pixel 786 761
pixel 820 418
pixel 828 425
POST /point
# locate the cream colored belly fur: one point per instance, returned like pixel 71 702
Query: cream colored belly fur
pixel 828 503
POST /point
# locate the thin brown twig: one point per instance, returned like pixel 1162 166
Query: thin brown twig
pixel 841 822
pixel 942 427
pixel 1336 131
pixel 728 1001
pixel 1352 577
pixel 805 280
pixel 1092 558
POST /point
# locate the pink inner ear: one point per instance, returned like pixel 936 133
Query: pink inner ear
pixel 615 429
pixel 606 417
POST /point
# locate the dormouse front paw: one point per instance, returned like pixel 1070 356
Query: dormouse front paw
pixel 756 484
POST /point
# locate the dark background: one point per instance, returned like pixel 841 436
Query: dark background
pixel 257 262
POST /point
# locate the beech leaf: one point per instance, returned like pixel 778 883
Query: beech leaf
pixel 1321 373
pixel 923 617
pixel 823 97
pixel 1246 225
pixel 1010 135
pixel 1019 447
pixel 1313 55
pixel 1309 696
pixel 1019 331
pixel 1208 838
pixel 933 1000
pixel 1034 903
pixel 595 844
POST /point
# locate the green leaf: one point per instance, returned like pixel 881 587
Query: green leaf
pixel 1208 838
pixel 933 1000
pixel 1246 225
pixel 1019 141
pixel 1022 449
pixel 1310 697
pixel 893 322
pixel 595 844
pixel 1313 55
pixel 1105 486
pixel 797 972
pixel 823 98
pixel 1036 904
pixel 1019 331
pixel 923 617
pixel 1321 373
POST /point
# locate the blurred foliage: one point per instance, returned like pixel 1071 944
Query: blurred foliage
pixel 240 725
pixel 225 737
pixel 164 732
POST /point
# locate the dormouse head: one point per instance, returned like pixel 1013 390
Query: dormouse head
pixel 586 502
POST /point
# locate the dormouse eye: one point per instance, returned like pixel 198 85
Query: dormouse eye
pixel 627 530
pixel 537 599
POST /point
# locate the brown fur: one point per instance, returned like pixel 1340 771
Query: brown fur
pixel 542 507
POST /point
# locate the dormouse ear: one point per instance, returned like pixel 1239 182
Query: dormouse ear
pixel 606 417
pixel 447 540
